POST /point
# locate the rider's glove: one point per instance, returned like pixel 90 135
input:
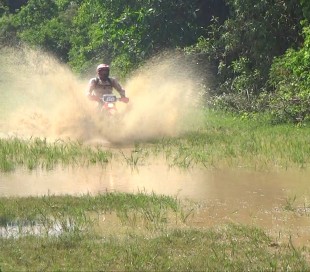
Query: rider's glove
pixel 94 98
pixel 124 99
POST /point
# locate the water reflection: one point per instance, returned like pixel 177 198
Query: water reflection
pixel 20 229
pixel 239 196
pixel 51 227
pixel 247 187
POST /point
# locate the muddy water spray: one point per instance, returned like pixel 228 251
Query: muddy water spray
pixel 41 97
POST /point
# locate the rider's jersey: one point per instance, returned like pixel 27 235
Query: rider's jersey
pixel 100 87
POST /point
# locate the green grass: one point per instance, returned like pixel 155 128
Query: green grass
pixel 38 153
pixel 228 141
pixel 223 141
pixel 148 232
pixel 176 247
pixel 31 208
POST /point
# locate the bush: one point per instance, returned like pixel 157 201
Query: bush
pixel 290 78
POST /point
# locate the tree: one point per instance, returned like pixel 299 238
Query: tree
pixel 306 9
pixel 46 24
pixel 128 32
pixel 13 6
pixel 241 50
pixel 290 77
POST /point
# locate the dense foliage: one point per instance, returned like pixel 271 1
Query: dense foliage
pixel 290 76
pixel 258 50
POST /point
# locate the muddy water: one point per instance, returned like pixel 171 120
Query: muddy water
pixel 254 188
pixel 254 198
pixel 46 99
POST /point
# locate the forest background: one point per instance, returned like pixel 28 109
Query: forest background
pixel 256 53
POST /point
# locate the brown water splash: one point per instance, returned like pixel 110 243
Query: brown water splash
pixel 42 97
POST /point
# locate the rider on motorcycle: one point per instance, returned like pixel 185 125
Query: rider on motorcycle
pixel 103 84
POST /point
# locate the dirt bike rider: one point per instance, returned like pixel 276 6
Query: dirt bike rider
pixel 103 84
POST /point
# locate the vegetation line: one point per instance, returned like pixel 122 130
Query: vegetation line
pixel 223 141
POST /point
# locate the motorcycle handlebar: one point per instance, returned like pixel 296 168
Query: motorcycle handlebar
pixel 124 99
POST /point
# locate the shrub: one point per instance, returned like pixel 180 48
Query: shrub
pixel 290 78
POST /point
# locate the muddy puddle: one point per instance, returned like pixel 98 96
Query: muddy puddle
pixel 276 201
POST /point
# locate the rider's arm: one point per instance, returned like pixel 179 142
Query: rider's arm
pixel 89 91
pixel 118 87
pixel 120 90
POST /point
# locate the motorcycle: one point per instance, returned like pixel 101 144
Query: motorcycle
pixel 108 103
